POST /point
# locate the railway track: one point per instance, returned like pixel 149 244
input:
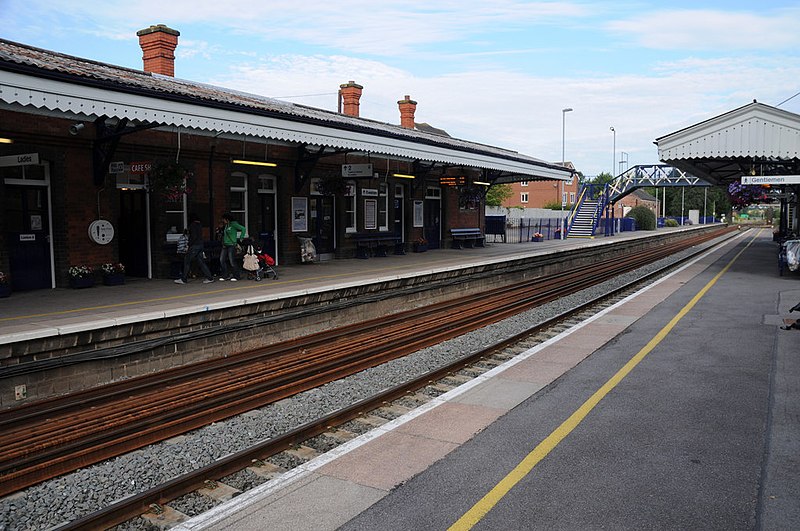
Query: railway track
pixel 54 436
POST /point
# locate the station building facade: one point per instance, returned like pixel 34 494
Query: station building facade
pixel 105 164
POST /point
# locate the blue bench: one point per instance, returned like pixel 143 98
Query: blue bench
pixel 468 237
pixel 376 244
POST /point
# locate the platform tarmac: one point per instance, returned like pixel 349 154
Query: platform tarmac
pixel 678 408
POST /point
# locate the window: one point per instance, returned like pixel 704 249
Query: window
pixel 238 197
pixel 572 198
pixel 523 197
pixel 350 207
pixel 563 198
pixel 523 183
pixel 383 207
pixel 267 184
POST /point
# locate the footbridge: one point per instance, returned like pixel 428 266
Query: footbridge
pixel 598 200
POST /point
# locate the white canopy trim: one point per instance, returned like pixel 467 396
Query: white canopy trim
pixel 56 95
pixel 755 130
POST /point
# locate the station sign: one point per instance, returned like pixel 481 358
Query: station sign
pixel 116 167
pixel 141 167
pixel 25 159
pixel 771 179
pixel 356 170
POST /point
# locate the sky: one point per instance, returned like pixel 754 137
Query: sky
pixel 494 72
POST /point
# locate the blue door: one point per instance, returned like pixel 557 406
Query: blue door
pixel 28 237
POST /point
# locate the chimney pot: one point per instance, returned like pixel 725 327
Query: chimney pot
pixel 351 94
pixel 158 45
pixel 407 109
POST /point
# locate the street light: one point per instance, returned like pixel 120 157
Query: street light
pixel 563 162
pixel 614 153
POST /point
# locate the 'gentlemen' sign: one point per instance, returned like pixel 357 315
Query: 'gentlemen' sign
pixel 771 179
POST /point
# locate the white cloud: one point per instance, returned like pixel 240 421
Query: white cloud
pixel 703 29
pixel 523 112
pixel 388 28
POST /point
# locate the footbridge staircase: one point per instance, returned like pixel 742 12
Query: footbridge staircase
pixel 598 200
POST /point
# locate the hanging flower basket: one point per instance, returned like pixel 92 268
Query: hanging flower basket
pixel 170 180
pixel 332 185
pixel 744 194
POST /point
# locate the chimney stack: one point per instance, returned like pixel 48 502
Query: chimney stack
pixel 158 44
pixel 407 109
pixel 350 93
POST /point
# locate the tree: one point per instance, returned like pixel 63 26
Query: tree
pixel 603 178
pixel 715 197
pixel 497 194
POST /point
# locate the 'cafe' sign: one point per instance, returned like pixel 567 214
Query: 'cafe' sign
pixel 25 159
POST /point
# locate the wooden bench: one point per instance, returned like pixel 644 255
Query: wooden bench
pixel 376 244
pixel 468 237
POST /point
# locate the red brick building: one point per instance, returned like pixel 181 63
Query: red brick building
pixel 538 194
pixel 105 164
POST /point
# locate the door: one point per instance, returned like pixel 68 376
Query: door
pixel 28 236
pixel 266 224
pixel 132 229
pixel 322 225
pixel 399 212
pixel 433 222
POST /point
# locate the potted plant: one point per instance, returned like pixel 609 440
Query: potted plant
pixel 420 245
pixel 537 237
pixel 5 285
pixel 113 274
pixel 81 276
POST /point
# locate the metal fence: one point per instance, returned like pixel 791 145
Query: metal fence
pixel 518 230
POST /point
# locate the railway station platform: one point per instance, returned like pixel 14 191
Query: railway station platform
pixel 47 313
pixel 677 408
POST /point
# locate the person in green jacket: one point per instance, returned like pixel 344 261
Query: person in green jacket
pixel 232 233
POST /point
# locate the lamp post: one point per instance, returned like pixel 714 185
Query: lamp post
pixel 614 152
pixel 614 163
pixel 563 162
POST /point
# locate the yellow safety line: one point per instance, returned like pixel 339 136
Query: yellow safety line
pixel 487 503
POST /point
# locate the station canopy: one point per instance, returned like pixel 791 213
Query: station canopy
pixel 753 140
pixel 45 82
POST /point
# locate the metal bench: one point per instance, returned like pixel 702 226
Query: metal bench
pixel 468 237
pixel 376 244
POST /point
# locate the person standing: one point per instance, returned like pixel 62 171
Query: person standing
pixel 194 252
pixel 232 232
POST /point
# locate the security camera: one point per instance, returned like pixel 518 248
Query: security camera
pixel 74 129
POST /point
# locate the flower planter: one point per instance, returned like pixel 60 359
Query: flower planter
pixel 114 279
pixel 420 247
pixel 5 290
pixel 537 239
pixel 81 282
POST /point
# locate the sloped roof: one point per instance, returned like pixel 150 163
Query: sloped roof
pixel 643 195
pixel 59 82
pixel 755 137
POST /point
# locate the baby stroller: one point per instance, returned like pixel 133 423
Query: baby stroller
pixel 257 262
